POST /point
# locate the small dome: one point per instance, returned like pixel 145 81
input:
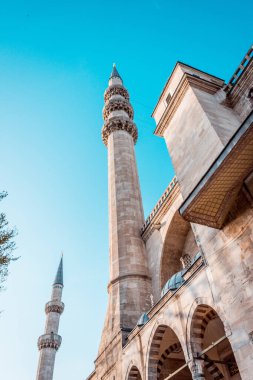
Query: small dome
pixel 174 282
pixel 196 257
pixel 142 320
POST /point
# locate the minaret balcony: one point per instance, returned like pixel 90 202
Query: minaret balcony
pixel 49 341
pixel 54 307
pixel 117 105
pixel 119 124
pixel 115 90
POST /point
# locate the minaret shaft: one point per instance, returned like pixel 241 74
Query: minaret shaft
pixel 130 286
pixel 49 343
pixel 125 209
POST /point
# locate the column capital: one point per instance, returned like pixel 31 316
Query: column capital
pixel 197 369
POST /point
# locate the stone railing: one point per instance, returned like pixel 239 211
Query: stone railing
pixel 152 219
pixel 49 341
pixel 237 74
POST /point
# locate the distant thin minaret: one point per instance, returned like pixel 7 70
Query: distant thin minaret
pixel 49 343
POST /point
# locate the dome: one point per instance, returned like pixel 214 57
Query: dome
pixel 196 257
pixel 142 320
pixel 174 282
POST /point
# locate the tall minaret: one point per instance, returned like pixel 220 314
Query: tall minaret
pixel 49 343
pixel 130 285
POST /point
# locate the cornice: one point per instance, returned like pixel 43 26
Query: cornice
pixel 187 81
pixel 160 209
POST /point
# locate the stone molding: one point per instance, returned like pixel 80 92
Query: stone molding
pixel 119 124
pixel 130 275
pixel 117 105
pixel 115 90
pixel 188 80
pixel 49 341
pixel 54 306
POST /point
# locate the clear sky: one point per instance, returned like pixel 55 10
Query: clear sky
pixel 56 57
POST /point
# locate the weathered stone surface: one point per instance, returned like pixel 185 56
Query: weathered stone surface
pixel 214 301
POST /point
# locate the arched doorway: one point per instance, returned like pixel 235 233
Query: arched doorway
pixel 134 374
pixel 208 336
pixel 166 356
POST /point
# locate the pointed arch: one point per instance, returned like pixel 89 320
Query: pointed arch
pixel 165 355
pixel 176 347
pixel 179 248
pixel 134 374
pixel 207 328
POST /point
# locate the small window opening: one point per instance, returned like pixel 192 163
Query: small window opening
pixel 168 99
pixel 250 95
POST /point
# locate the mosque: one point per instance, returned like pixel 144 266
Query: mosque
pixel 180 294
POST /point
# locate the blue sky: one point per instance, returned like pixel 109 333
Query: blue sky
pixel 55 60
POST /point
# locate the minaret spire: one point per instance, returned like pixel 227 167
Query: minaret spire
pixel 130 285
pixel 59 274
pixel 49 342
pixel 115 73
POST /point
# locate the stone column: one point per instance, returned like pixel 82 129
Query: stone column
pixel 197 369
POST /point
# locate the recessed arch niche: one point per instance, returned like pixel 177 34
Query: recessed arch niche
pixel 134 374
pixel 179 247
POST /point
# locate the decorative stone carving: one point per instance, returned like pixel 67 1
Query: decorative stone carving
pixel 54 306
pixel 119 124
pixel 116 90
pixel 117 105
pixel 49 341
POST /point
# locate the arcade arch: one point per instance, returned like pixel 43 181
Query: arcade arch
pixel 166 356
pixel 218 362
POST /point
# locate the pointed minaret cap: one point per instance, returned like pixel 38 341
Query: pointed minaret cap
pixel 115 73
pixel 59 275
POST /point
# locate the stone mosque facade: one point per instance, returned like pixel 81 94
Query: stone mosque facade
pixel 180 294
